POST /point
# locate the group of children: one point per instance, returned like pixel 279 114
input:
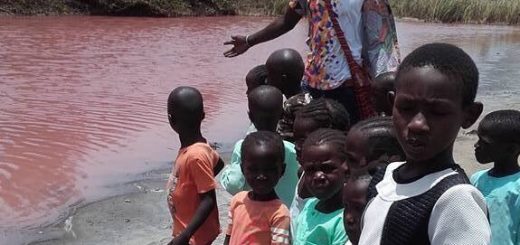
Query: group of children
pixel 307 174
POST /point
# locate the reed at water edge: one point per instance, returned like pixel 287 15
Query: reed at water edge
pixel 449 11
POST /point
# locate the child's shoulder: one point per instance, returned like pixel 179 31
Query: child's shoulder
pixel 477 176
pixel 201 151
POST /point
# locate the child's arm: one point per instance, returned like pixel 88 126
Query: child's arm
pixel 226 241
pixel 280 227
pixel 208 200
pixel 218 167
pixel 231 178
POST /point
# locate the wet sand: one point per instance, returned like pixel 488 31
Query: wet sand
pixel 142 217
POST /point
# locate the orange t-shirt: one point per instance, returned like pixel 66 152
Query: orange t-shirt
pixel 192 175
pixel 256 222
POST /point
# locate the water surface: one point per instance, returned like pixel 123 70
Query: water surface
pixel 83 99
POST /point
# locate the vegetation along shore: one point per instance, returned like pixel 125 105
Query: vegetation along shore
pixel 449 11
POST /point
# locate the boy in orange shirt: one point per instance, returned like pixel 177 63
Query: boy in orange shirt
pixel 259 216
pixel 191 186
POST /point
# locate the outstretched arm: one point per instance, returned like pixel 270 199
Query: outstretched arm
pixel 278 27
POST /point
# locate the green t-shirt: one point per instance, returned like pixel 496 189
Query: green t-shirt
pixel 503 201
pixel 233 181
pixel 317 228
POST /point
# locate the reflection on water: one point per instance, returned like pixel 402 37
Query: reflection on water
pixel 83 98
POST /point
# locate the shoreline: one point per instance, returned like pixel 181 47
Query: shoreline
pixel 142 216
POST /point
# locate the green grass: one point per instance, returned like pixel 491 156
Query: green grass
pixel 460 11
pixel 463 11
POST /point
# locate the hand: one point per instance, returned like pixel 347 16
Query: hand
pixel 181 239
pixel 239 46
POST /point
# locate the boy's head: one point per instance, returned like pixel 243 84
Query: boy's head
pixel 498 136
pixel 323 160
pixel 265 107
pixel 382 86
pixel 185 109
pixel 354 202
pixel 256 77
pixel 285 71
pixel 319 113
pixel 436 86
pixel 371 143
pixel 263 156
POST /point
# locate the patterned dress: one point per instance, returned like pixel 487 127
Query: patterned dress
pixel 369 29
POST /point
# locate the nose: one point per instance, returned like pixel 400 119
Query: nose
pixel 349 218
pixel 319 177
pixel 419 124
pixel 477 144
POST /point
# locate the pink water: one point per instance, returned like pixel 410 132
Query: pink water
pixel 83 99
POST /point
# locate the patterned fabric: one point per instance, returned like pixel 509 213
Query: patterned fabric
pixel 369 28
pixel 256 222
pixel 290 107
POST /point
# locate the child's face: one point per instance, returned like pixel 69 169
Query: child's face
pixel 354 201
pixel 262 167
pixel 301 128
pixel 428 112
pixel 488 149
pixel 324 170
pixel 357 150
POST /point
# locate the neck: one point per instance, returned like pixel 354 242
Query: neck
pixel 262 197
pixel 292 92
pixel 505 167
pixel 413 169
pixel 261 127
pixel 332 204
pixel 190 138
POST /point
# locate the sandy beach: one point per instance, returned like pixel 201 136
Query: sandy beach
pixel 142 217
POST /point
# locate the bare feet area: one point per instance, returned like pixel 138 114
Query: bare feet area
pixel 142 217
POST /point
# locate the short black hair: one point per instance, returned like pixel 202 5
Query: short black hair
pixel 385 81
pixel 265 105
pixel 286 62
pixel 327 113
pixel 261 138
pixel 381 137
pixel 187 101
pixel 502 126
pixel 334 137
pixel 256 77
pixel 451 61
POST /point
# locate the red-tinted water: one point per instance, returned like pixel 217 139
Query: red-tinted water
pixel 83 99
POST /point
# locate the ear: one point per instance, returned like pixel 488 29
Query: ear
pixel 471 114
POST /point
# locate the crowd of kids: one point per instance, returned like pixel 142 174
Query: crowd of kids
pixel 304 175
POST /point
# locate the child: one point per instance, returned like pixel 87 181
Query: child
pixel 428 198
pixel 371 144
pixel 265 108
pixel 285 71
pixel 319 113
pixel 191 187
pixel 354 202
pixel 256 77
pixel 258 216
pixel 382 86
pixel 499 142
pixel 324 163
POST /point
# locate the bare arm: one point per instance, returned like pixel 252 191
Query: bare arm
pixel 208 200
pixel 226 241
pixel 218 167
pixel 278 27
